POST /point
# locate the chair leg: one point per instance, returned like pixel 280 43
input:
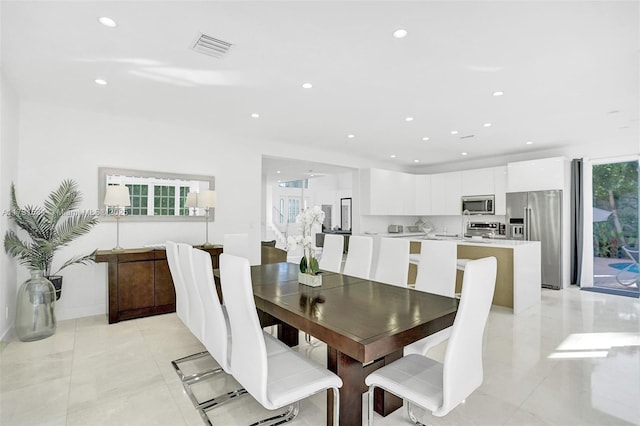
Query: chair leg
pixel 212 402
pixel 279 419
pixel 195 376
pixel 336 406
pixel 287 416
pixel 221 399
pixel 370 407
pixel 412 416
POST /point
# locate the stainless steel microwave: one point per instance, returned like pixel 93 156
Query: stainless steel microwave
pixel 478 204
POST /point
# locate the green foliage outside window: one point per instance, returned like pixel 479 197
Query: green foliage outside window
pixel 615 188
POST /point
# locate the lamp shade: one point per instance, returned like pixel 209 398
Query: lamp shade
pixel 192 200
pixel 207 199
pixel 117 195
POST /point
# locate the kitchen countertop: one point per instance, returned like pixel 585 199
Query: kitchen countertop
pixel 485 242
pixel 395 234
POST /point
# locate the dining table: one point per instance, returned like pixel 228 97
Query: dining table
pixel 365 325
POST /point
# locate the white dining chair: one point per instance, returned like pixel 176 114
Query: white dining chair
pixel 183 308
pixel 440 387
pixel 358 263
pixel 331 259
pixel 393 262
pixel 236 244
pixel 216 336
pixel 436 275
pixel 274 380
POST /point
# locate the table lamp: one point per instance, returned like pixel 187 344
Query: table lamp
pixel 117 197
pixel 206 200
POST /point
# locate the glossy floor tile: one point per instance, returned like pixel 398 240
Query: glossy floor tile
pixel 572 360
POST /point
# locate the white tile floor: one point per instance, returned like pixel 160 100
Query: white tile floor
pixel 572 360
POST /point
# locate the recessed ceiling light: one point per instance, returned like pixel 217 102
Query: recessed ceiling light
pixel 278 171
pixel 351 136
pixel 408 119
pixel 107 22
pixel 425 138
pixel 487 124
pixel 307 86
pixel 393 156
pixel 255 115
pixel 454 132
pixel 498 93
pixel 464 153
pixel 400 33
pixel 100 82
pixel 416 161
pixel 529 142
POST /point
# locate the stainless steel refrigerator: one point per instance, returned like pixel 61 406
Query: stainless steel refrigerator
pixel 537 216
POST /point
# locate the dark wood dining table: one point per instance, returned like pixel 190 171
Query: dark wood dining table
pixel 365 325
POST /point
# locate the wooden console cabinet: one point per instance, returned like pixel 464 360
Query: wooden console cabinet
pixel 140 282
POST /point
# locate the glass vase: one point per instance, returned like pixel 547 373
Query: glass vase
pixel 35 312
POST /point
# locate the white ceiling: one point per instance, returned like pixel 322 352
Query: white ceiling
pixel 569 71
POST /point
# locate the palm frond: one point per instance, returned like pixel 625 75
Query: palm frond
pixel 32 219
pixel 28 254
pixel 82 260
pixel 74 226
pixel 62 200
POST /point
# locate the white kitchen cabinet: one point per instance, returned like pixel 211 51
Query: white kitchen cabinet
pixel 387 192
pixel 423 195
pixel 537 175
pixel 446 192
pixel 500 185
pixel 478 182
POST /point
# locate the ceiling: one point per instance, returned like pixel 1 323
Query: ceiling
pixel 568 69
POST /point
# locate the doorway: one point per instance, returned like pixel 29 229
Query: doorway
pixel 615 227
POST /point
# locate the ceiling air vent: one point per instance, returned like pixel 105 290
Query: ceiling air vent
pixel 467 136
pixel 211 46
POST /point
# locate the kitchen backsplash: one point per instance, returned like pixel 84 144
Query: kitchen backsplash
pixel 452 224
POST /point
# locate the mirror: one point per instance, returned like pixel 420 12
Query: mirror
pixel 345 214
pixel 155 195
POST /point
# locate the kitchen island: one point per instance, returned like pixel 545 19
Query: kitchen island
pixel 519 274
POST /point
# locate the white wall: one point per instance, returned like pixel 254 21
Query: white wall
pixel 8 173
pixel 329 190
pixel 58 143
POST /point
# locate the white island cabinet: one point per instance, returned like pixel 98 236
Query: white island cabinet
pixel 519 274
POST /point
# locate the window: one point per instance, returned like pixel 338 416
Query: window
pixel 281 211
pixel 295 184
pixel 139 194
pixel 164 200
pixel 294 209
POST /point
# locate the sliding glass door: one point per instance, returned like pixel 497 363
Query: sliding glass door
pixel 615 226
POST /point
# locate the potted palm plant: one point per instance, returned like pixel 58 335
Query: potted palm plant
pixel 48 229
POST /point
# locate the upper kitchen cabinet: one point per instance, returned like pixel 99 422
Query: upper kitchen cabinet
pixel 423 195
pixel 386 192
pixel 500 182
pixel 446 193
pixel 478 182
pixel 537 175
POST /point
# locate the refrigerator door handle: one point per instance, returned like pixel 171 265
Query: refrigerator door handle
pixel 527 226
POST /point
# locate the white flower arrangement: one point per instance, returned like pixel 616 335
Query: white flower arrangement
pixel 307 218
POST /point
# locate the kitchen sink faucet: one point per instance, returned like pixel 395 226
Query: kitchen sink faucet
pixel 466 219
